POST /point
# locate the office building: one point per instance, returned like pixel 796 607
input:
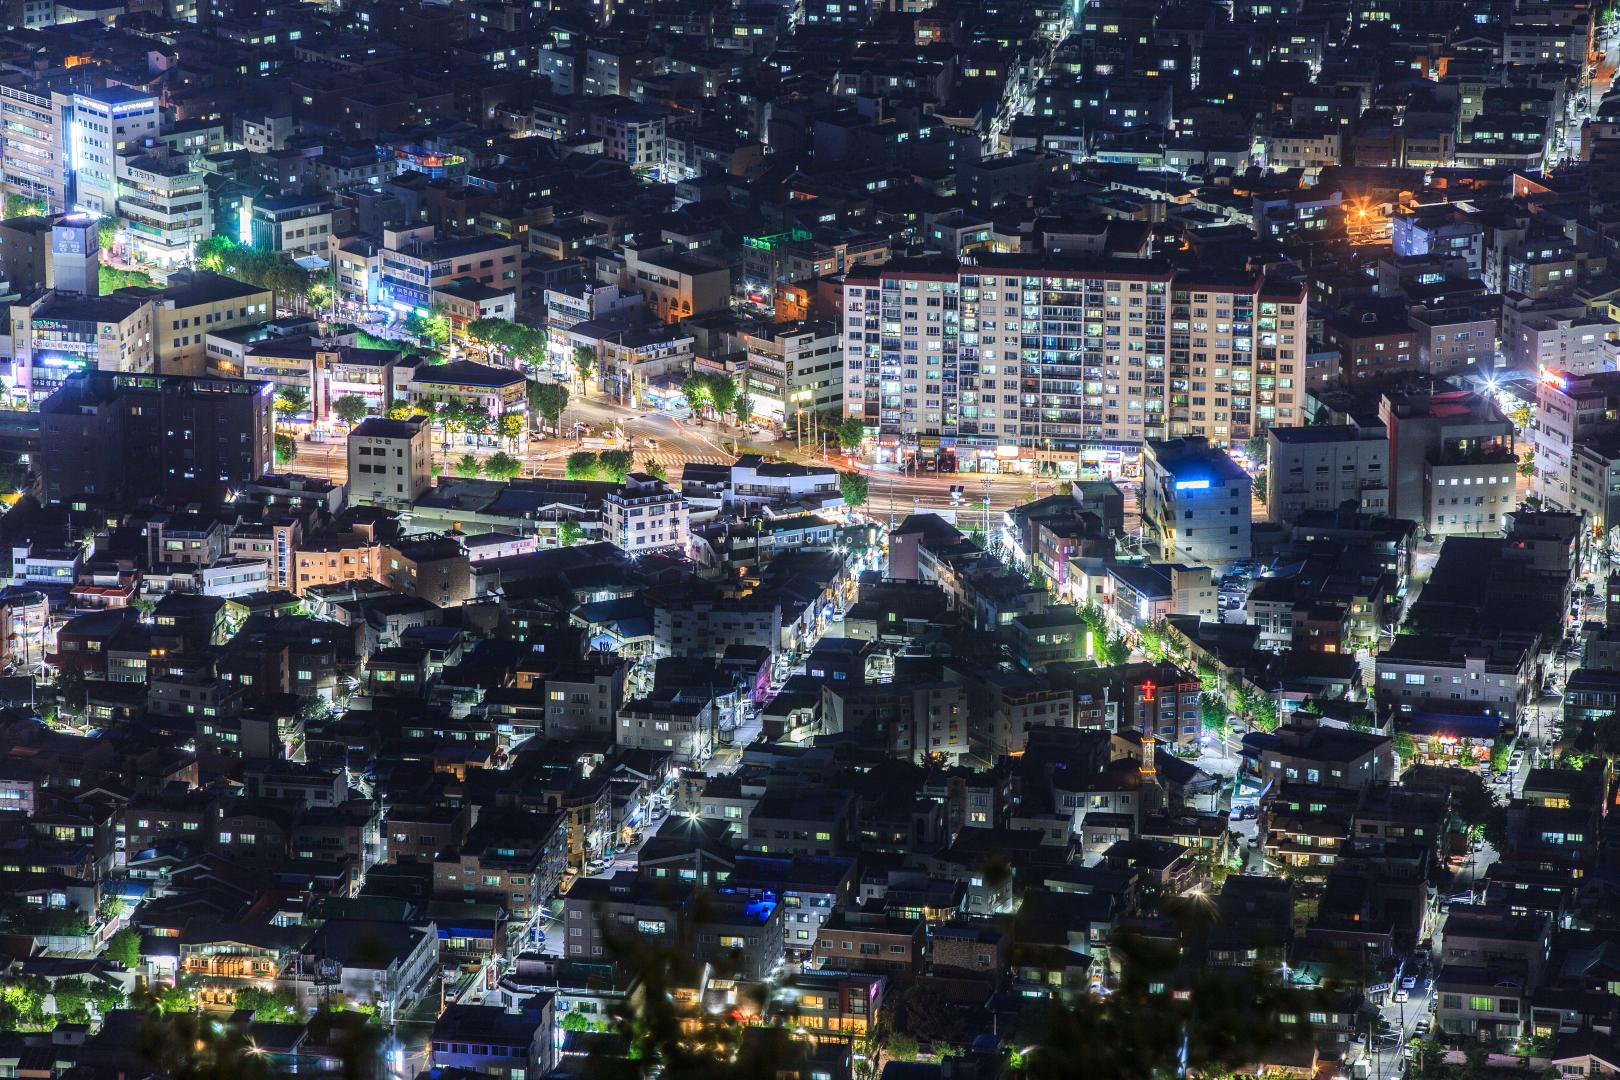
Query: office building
pixel 794 368
pixel 1196 501
pixel 128 436
pixel 415 263
pixel 102 123
pixel 1325 466
pixel 56 334
pixel 390 462
pixel 1452 460
pixel 163 202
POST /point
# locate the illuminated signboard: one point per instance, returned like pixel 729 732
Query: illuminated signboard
pixel 1192 485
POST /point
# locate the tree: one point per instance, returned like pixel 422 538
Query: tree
pixel 1527 464
pixel 124 948
pixel 655 469
pixel 509 426
pixel 1261 480
pixel 742 407
pixel 1115 651
pixel 1256 449
pixel 854 488
pixel 1500 752
pixel 292 400
pixel 575 1020
pixel 350 408
pixel 1405 747
pixel 430 324
pixel 584 358
pixel 286 449
pixel 548 401
pixel 1213 713
pixel 211 253
pixel 267 1006
pixel 468 465
pixel 615 464
pixel 319 295
pixel 695 389
pixel 569 533
pixel 107 230
pixel 582 465
pixel 902 1047
pixel 503 466
pixel 722 394
pixel 398 411
pixel 21 206
pixel 1522 417
pixel 112 278
pixel 1156 640
pixel 851 432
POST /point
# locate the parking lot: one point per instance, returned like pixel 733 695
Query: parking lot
pixel 1233 591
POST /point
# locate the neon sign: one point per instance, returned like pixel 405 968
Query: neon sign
pixel 1192 485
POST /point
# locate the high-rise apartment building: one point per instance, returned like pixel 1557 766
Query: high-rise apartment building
pixel 1006 362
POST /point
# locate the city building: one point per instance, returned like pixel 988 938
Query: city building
pixel 1195 501
pixel 390 462
pixel 100 124
pixel 1325 467
pixel 1452 460
pixel 134 436
pixel 930 383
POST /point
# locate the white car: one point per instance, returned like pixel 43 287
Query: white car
pixel 1409 982
pixel 1402 995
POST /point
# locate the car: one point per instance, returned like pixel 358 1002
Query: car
pixel 1402 995
pixel 1237 813
pixel 1409 982
pixel 650 443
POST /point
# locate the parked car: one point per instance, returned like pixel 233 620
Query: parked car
pixel 1409 982
pixel 1402 995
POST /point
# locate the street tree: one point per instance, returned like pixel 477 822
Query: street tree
pixel 855 488
pixel 582 465
pixel 584 358
pixel 695 389
pixel 503 466
pixel 851 432
pixel 350 408
pixel 468 465
pixel 286 448
pixel 291 401
pixel 548 401
pixel 743 408
pixel 509 426
pixel 722 394
pixel 569 533
pixel 319 295
pixel 615 464
pixel 433 325
pixel 655 469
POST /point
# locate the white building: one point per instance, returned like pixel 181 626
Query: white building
pixel 103 123
pixel 1195 499
pixel 163 199
pixel 1579 345
pixel 390 462
pixel 643 515
pixel 794 367
pixel 1321 468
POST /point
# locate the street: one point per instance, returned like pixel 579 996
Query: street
pixel 677 443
